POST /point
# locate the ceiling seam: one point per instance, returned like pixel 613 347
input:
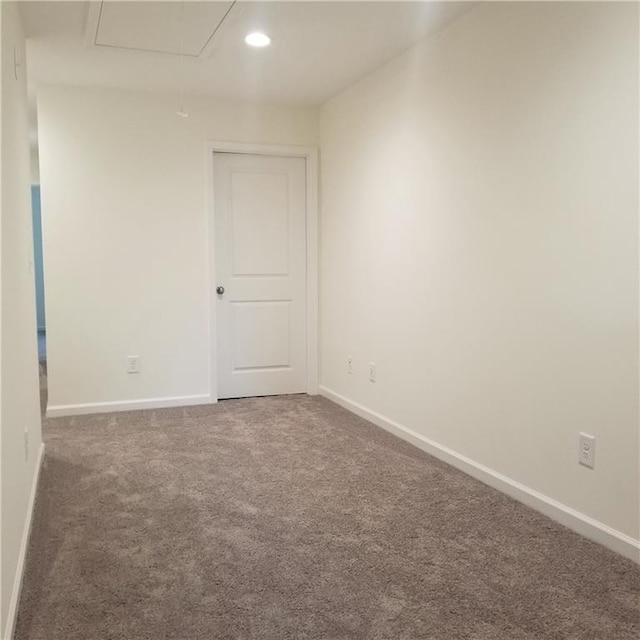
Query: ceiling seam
pixel 166 53
pixel 224 17
pixel 95 35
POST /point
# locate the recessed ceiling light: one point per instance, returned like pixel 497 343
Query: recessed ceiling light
pixel 257 39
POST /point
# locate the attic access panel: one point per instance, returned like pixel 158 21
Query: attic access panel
pixel 159 27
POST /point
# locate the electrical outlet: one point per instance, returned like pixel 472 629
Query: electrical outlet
pixel 133 364
pixel 26 444
pixel 587 450
pixel 372 371
pixel 350 365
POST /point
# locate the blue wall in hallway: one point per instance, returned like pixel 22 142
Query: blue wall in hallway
pixel 37 253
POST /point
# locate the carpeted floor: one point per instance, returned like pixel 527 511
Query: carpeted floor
pixel 288 517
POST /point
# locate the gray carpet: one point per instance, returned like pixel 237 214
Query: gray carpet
pixel 44 388
pixel 42 346
pixel 288 517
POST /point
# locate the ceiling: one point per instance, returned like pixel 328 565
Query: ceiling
pixel 317 50
pixel 185 28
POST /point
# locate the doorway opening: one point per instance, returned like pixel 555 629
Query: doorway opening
pixel 36 212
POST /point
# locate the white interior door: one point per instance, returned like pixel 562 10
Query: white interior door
pixel 260 266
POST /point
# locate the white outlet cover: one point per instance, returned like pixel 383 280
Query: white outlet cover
pixel 587 450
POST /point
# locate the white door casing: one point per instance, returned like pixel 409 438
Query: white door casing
pixel 260 256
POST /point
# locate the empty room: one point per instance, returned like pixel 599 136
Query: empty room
pixel 319 320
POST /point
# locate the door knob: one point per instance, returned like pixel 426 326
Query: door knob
pixel 219 290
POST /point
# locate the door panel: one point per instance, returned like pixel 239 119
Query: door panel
pixel 270 346
pixel 260 218
pixel 260 215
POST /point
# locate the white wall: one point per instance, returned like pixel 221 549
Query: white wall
pixel 35 165
pixel 479 242
pixel 19 388
pixel 123 182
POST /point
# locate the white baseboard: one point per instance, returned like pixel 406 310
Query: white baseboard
pixel 17 584
pixel 57 411
pixel 570 518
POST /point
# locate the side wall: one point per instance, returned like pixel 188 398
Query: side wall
pixel 124 208
pixel 479 243
pixel 19 390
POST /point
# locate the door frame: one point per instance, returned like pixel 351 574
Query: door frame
pixel 310 155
